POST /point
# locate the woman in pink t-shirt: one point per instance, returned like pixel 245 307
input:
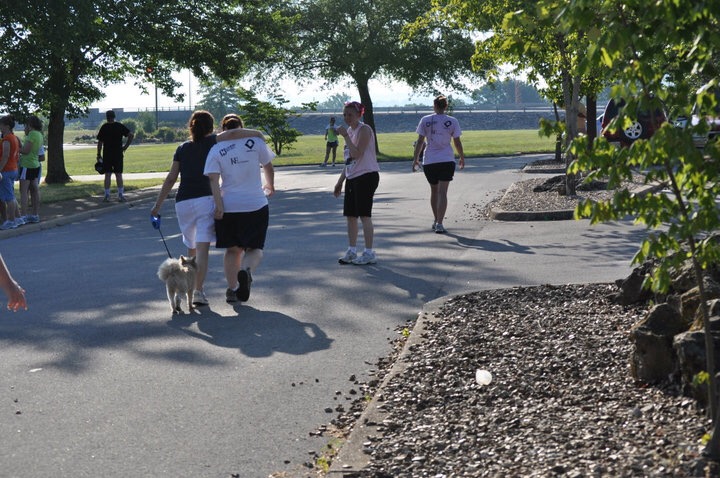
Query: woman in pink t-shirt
pixel 361 176
pixel 439 161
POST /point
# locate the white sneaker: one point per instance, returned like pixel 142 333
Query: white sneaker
pixel 8 225
pixel 439 229
pixel 365 258
pixel 20 220
pixel 348 258
pixel 199 298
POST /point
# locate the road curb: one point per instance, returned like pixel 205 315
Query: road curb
pixel 559 215
pixel 134 199
pixel 502 215
pixel 351 459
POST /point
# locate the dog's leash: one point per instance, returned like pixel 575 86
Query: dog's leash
pixel 156 224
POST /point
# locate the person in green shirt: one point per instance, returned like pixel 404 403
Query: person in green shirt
pixel 29 169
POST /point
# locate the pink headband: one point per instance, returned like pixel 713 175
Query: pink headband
pixel 358 106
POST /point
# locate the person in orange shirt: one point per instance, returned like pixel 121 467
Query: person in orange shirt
pixel 9 155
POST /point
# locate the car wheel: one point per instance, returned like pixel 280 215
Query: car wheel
pixel 634 131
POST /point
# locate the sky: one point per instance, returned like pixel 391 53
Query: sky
pixel 128 96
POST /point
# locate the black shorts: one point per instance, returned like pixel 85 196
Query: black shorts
pixel 359 194
pixel 242 229
pixel 332 144
pixel 112 163
pixel 29 174
pixel 436 172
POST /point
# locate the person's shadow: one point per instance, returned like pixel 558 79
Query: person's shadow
pixel 256 333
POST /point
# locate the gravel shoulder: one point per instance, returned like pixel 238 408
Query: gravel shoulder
pixel 561 401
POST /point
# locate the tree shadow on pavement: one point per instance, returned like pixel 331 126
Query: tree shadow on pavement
pixel 255 333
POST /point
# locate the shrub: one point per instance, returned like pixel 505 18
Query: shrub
pixel 131 124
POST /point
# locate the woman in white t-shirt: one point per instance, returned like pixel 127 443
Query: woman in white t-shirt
pixel 241 205
pixel 438 162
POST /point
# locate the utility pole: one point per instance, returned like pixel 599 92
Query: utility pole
pixel 150 70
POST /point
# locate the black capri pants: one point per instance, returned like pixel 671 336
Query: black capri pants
pixel 359 193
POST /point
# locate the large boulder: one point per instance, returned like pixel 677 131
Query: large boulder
pixel 631 288
pixel 653 358
pixel 690 301
pixel 683 278
pixel 690 352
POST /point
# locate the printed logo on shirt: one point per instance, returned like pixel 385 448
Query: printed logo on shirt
pixel 447 124
pixel 224 151
pixel 249 144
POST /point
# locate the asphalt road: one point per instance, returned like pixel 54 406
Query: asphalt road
pixel 99 379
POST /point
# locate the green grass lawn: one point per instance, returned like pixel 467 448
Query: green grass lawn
pixel 309 149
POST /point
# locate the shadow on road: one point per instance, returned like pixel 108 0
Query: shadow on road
pixel 255 333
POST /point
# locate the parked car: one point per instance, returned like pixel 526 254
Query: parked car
pixel 712 121
pixel 644 124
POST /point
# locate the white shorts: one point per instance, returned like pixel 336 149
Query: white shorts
pixel 196 220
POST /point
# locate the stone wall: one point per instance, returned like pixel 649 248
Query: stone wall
pixel 394 122
pixel 407 122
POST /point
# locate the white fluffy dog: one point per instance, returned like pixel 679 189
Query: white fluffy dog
pixel 179 277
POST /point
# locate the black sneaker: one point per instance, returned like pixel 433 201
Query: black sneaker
pixel 244 279
pixel 230 296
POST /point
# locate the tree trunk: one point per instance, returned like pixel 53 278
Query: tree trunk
pixel 592 131
pixel 369 116
pixel 56 173
pixel 558 138
pixel 571 91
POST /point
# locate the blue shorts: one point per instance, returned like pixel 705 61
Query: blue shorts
pixel 7 186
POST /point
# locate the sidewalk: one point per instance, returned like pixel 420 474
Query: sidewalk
pixel 65 212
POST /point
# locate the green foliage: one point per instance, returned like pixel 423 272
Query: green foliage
pixel 334 102
pixel 146 119
pixel 219 98
pixel 166 134
pixel 689 214
pixel 656 60
pixel 131 124
pixel 362 40
pixel 271 118
pixel 701 378
pixel 506 91
pixel 74 48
